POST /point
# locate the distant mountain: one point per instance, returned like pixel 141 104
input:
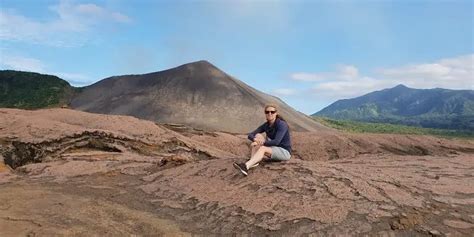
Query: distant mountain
pixel 29 90
pixel 197 94
pixel 435 108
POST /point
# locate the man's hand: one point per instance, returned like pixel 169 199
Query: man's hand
pixel 259 141
pixel 254 144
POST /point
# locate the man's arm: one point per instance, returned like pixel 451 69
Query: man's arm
pixel 281 130
pixel 260 129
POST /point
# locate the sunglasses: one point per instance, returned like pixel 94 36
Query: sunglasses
pixel 272 111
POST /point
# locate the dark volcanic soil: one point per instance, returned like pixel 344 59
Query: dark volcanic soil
pixel 197 94
pixel 84 174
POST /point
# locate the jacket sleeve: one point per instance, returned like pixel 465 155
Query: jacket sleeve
pixel 282 128
pixel 260 129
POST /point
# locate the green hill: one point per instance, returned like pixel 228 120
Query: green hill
pixel 28 90
pixel 365 127
pixel 430 108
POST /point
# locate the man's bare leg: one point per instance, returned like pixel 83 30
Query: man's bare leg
pixel 258 156
pixel 254 150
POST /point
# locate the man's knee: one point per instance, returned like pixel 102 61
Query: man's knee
pixel 259 135
pixel 265 149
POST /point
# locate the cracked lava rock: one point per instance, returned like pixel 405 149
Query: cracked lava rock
pixel 66 172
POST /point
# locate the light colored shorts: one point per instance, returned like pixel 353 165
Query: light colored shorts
pixel 280 154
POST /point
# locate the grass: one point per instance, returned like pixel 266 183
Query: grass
pixel 364 127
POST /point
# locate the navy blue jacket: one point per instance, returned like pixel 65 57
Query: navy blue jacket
pixel 278 133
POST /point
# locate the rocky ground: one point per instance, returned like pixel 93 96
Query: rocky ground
pixel 65 172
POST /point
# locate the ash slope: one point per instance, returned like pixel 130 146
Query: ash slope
pixel 196 94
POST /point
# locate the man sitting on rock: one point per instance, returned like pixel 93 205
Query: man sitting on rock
pixel 276 146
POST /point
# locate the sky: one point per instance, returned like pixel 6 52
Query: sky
pixel 309 53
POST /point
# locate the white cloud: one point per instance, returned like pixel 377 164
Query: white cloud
pixel 87 11
pixel 20 63
pixel 452 73
pixel 284 91
pixel 344 89
pixel 68 29
pixel 347 72
pixel 343 72
pixel 303 76
pixel 346 81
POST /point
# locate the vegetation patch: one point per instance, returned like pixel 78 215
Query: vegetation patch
pixel 28 90
pixel 366 127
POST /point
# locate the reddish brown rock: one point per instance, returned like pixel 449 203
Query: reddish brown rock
pixel 125 170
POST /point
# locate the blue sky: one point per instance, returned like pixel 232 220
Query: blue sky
pixel 308 53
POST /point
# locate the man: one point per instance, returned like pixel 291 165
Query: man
pixel 277 145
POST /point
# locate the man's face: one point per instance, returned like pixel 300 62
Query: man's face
pixel 270 113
